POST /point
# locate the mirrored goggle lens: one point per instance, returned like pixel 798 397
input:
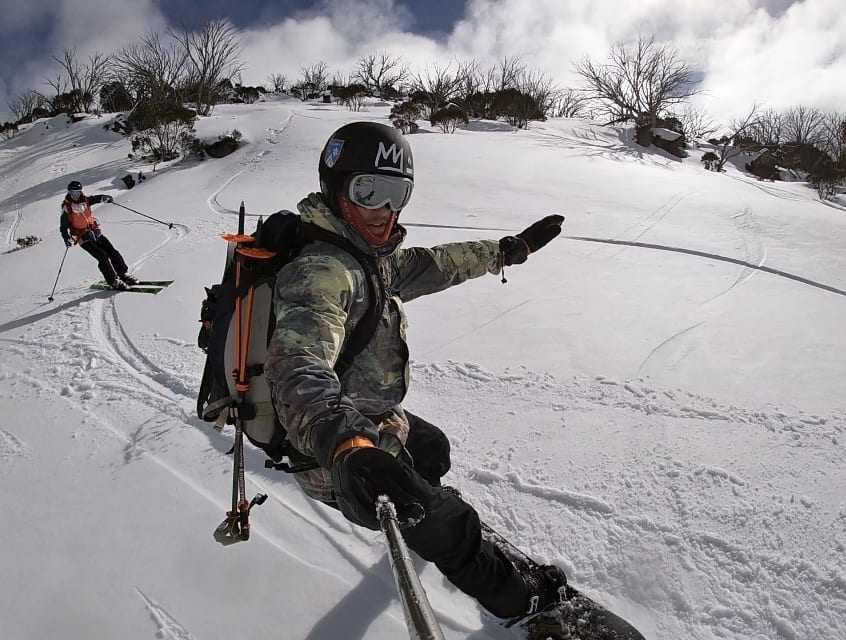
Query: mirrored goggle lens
pixel 375 191
pixel 75 192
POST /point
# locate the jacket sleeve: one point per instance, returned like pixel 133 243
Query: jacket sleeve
pixel 418 271
pixel 312 302
pixel 63 224
pixel 95 199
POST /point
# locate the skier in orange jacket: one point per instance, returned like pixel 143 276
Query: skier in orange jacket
pixel 78 226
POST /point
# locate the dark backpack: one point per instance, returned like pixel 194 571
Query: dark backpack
pixel 229 391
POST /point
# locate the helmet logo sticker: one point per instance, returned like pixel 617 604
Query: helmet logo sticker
pixel 392 159
pixel 333 152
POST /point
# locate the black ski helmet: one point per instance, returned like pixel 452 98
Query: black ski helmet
pixel 74 185
pixel 363 147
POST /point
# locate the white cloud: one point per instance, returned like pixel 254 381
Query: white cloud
pixel 776 52
pixel 779 53
pixel 797 57
pixel 91 26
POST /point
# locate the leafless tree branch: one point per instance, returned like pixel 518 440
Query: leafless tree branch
pixel 150 69
pixel 640 82
pixel 738 128
pixel 380 73
pixel 212 56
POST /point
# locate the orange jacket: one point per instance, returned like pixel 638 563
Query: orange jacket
pixel 76 220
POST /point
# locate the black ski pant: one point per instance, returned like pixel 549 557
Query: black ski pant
pixel 450 536
pixel 109 260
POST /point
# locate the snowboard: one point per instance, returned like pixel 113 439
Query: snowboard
pixel 577 618
pixel 143 286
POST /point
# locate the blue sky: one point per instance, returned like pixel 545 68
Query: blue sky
pixel 778 53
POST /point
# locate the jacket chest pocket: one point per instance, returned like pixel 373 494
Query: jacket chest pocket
pixel 400 318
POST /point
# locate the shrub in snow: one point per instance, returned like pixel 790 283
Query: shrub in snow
pixel 516 107
pixel 164 130
pixel 764 165
pixel 114 97
pixel 8 130
pixel 710 161
pixel 827 181
pixel 449 118
pixel 352 95
pixel 27 241
pixel 403 116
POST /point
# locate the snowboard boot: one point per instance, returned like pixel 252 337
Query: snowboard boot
pixel 547 587
pixel 128 279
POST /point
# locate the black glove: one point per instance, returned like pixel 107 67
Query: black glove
pixel 516 249
pixel 360 475
pixel 107 199
pixel 68 242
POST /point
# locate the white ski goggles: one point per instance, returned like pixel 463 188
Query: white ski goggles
pixel 374 191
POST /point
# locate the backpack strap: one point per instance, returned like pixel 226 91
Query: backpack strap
pixel 366 327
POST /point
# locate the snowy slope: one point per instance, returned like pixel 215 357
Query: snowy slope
pixel 666 426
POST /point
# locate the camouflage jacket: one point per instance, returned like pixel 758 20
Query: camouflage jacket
pixel 318 299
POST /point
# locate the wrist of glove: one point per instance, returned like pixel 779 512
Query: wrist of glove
pixel 361 474
pixel 516 249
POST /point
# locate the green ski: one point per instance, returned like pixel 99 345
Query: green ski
pixel 153 283
pixel 102 286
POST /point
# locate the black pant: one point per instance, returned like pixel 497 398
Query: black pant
pixel 108 258
pixel 450 535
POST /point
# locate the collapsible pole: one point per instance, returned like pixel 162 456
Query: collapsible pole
pixel 50 297
pixel 419 616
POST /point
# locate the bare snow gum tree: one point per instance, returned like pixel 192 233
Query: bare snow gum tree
pixel 640 82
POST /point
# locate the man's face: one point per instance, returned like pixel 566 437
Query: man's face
pixel 377 220
pixel 75 195
pixel 374 225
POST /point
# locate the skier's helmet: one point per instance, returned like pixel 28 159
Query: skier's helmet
pixel 74 185
pixel 362 148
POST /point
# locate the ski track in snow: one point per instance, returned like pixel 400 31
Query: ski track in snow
pixel 213 201
pixel 11 447
pixel 741 587
pixel 770 189
pixel 168 627
pixel 655 217
pixel 722 549
pixel 13 224
pixel 741 570
pixel 754 252
pixel 9 226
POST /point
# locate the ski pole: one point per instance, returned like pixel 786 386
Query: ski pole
pixel 169 224
pixel 50 297
pixel 419 616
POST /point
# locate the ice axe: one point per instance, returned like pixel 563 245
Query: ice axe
pixel 169 224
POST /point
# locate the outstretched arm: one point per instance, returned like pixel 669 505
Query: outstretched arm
pixel 100 197
pixel 418 272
